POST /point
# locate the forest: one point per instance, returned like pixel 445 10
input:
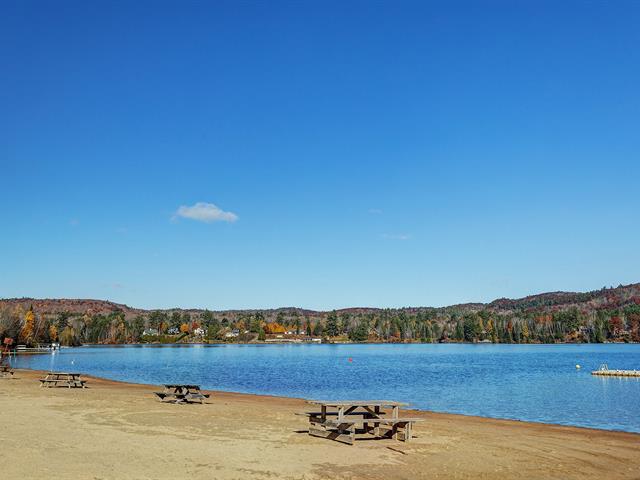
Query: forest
pixel 606 315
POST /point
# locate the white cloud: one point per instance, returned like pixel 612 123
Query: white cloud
pixel 396 236
pixel 205 212
pixel 375 211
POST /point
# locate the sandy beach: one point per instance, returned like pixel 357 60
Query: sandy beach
pixel 115 430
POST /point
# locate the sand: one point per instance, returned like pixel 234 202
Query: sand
pixel 116 430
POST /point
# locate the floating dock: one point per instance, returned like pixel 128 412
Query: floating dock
pixel 606 372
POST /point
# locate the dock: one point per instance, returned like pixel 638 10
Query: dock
pixel 605 371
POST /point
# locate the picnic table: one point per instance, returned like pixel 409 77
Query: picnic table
pixel 62 379
pixel 5 371
pixel 182 393
pixel 342 420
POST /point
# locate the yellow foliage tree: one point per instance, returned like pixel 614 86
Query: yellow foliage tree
pixel 26 334
pixel 274 327
pixel 525 331
pixel 184 328
pixel 68 336
pixel 491 331
pixel 53 333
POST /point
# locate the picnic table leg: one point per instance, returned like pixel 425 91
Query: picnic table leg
pixel 376 426
pixel 408 432
pixel 394 431
pixel 394 413
pixel 341 413
pixel 323 414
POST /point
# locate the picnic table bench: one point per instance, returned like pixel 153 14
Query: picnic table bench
pixel 182 393
pixel 342 420
pixel 5 371
pixel 62 379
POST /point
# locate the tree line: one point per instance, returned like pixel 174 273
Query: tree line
pixel 452 324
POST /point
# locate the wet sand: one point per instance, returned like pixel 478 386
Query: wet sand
pixel 115 430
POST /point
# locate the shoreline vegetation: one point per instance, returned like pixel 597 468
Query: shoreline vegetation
pixel 142 438
pixel 600 316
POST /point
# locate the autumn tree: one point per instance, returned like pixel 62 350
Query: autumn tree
pixel 525 332
pixel 68 336
pixel 26 334
pixel 53 333
pixel 491 331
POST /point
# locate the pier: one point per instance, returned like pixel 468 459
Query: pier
pixel 606 372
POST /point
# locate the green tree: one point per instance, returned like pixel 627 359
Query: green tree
pixel 317 329
pixel 459 333
pixel 137 327
pixel 470 329
pixel 256 323
pixel 175 320
pixel 331 328
pixel 360 333
pixel 297 323
pixel 309 332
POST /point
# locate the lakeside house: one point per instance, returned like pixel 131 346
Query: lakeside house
pixel 199 332
pixel 233 333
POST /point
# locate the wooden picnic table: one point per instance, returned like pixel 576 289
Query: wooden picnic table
pixel 62 379
pixel 181 393
pixel 5 371
pixel 342 420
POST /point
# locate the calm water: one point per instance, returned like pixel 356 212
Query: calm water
pixel 525 382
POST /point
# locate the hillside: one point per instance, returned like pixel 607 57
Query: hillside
pixel 609 314
pixel 594 300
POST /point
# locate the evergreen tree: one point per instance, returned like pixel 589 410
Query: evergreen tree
pixel 308 328
pixel 459 333
pixel 317 329
pixel 331 328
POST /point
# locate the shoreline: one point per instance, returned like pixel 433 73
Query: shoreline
pixel 116 429
pixel 413 411
pixel 288 342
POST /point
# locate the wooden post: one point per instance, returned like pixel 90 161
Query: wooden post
pixel 407 432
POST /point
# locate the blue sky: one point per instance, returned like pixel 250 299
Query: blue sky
pixel 317 154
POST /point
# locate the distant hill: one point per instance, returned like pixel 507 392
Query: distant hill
pixel 606 298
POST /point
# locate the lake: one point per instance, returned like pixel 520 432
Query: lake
pixel 537 383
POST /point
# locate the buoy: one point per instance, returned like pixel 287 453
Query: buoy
pixel 578 367
pixel 350 359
